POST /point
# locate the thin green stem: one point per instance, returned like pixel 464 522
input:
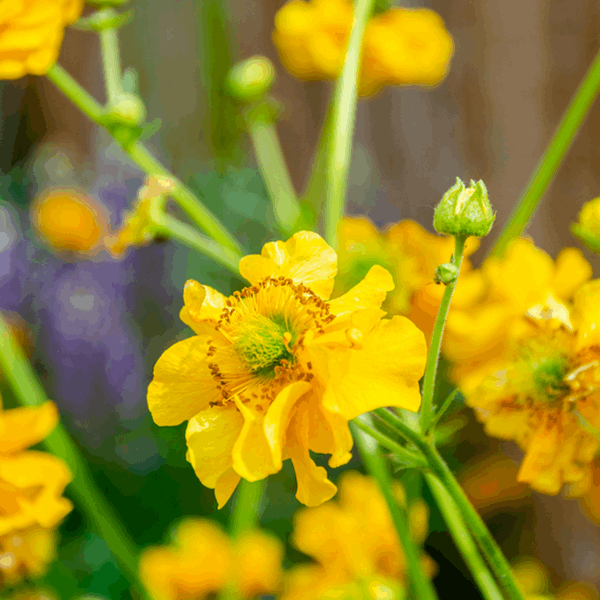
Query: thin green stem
pixel 86 493
pixel 343 119
pixel 111 62
pixel 480 532
pixel 246 511
pixel 552 158
pixel 436 339
pixel 197 212
pixel 275 173
pixel 462 538
pixel 444 407
pixel 377 466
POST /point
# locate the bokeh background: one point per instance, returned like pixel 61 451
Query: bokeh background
pixel 99 325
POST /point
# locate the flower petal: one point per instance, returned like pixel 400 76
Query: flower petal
pixel 202 306
pixel 23 427
pixel 384 372
pixel 329 434
pixel 210 437
pixel 226 485
pixel 369 293
pixel 305 258
pixel 571 272
pixel 278 417
pixel 182 383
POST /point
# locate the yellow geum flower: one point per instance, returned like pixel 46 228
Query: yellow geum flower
pixel 69 221
pixel 31 32
pixel 278 369
pixel 31 484
pixel 411 254
pixel 400 46
pixel 204 561
pixel 355 546
pixel 587 229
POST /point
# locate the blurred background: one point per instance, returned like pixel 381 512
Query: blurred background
pixel 98 325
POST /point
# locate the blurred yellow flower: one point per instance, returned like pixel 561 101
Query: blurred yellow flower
pixel 355 546
pixel 138 228
pixel 278 369
pixel 400 46
pixel 536 377
pixel 411 254
pixel 31 32
pixel 69 221
pixel 204 561
pixel 587 229
pixel 31 484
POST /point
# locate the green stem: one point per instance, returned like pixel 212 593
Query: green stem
pixel 275 173
pixel 343 118
pixel 111 62
pixel 197 212
pixel 462 538
pixel 436 339
pixel 551 159
pixel 377 466
pixel 246 512
pixel 444 407
pixel 474 522
pixel 84 490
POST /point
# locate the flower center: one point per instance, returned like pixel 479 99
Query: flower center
pixel 263 342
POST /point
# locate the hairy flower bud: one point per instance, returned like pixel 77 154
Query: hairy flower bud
pixel 128 109
pixel 251 79
pixel 446 273
pixel 464 210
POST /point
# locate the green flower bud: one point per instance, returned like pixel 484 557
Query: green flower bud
pixel 464 211
pixel 446 273
pixel 588 227
pixel 103 19
pixel 127 109
pixel 251 79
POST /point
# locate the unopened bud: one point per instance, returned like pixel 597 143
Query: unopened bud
pixel 588 227
pixel 464 211
pixel 446 273
pixel 127 108
pixel 251 79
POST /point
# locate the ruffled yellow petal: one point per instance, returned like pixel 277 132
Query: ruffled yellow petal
pixel 23 427
pixel 182 383
pixel 384 372
pixel 225 487
pixel 313 486
pixel 202 307
pixel 278 417
pixel 305 258
pixel 369 293
pixel 252 458
pixel 586 314
pixel 210 436
pixel 571 272
pixel 329 434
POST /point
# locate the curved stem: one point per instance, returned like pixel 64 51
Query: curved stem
pixel 377 466
pixel 111 62
pixel 28 391
pixel 462 538
pixel 197 212
pixel 552 158
pixel 343 118
pixel 436 339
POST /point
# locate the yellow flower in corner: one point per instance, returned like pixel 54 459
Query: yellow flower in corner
pixel 31 32
pixel 204 561
pixel 31 484
pixel 279 369
pixel 355 546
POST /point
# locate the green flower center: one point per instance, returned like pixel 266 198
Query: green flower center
pixel 548 377
pixel 264 343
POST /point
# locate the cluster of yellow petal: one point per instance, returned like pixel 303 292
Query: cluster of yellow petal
pixel 278 369
pixel 400 46
pixel 31 32
pixel 355 545
pixel 411 254
pixel 31 487
pixel 528 360
pixel 203 561
pixel 69 221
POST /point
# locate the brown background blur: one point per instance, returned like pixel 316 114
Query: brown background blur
pixel 516 65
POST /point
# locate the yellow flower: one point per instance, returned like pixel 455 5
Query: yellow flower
pixel 411 254
pixel 587 229
pixel 400 46
pixel 203 561
pixel 139 227
pixel 278 369
pixel 69 221
pixel 31 484
pixel 31 32
pixel 539 386
pixel 354 544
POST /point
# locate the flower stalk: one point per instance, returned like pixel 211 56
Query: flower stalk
pixel 436 338
pixel 552 158
pixel 111 61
